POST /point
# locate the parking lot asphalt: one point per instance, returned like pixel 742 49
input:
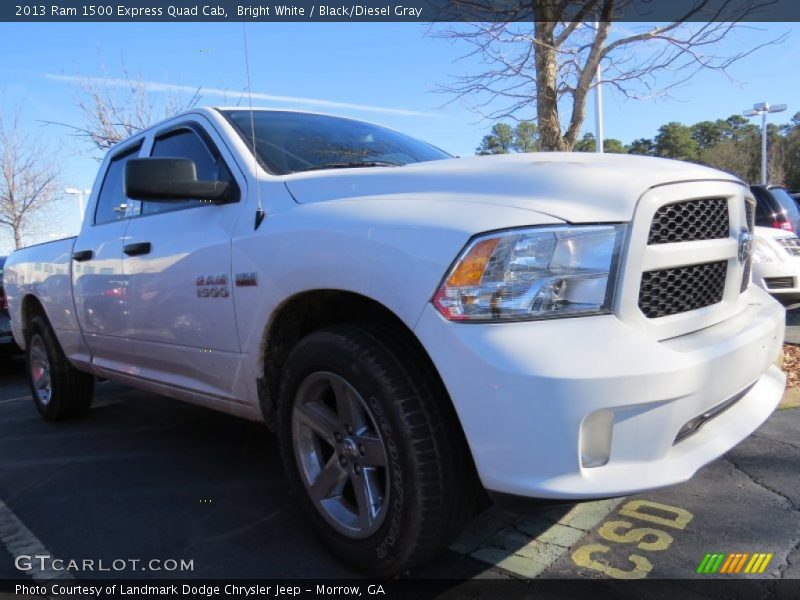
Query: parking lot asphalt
pixel 146 477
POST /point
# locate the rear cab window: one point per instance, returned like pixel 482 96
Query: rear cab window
pixel 112 203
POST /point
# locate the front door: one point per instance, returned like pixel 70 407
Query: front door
pixel 178 261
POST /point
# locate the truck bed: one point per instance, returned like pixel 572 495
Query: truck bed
pixel 45 271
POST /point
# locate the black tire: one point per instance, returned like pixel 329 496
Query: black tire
pixel 433 485
pixel 71 391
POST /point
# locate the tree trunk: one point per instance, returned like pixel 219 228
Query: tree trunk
pixel 546 74
pixel 17 238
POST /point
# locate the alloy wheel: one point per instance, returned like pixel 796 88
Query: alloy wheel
pixel 341 455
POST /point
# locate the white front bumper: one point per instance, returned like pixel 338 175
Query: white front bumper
pixel 522 391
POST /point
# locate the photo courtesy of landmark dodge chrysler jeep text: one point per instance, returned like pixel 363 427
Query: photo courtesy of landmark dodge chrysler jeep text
pixel 413 326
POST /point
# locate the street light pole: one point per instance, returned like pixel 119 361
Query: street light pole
pixel 80 194
pixel 598 102
pixel 763 108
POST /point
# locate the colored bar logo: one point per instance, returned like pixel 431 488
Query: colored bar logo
pixel 739 562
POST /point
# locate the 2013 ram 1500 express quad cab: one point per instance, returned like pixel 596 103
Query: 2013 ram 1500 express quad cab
pixel 413 325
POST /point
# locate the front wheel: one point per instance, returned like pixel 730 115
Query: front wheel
pixel 59 390
pixel 377 460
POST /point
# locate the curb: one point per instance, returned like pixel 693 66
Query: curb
pixel 791 399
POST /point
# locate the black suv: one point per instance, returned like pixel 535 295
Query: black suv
pixel 776 208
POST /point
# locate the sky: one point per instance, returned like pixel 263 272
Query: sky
pixel 381 72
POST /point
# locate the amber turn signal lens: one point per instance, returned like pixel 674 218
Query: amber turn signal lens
pixel 471 268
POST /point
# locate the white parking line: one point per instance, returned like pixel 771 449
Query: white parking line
pixel 18 399
pixel 20 541
pixel 527 546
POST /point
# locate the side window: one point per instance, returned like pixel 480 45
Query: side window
pixel 112 202
pixel 186 143
pixel 763 212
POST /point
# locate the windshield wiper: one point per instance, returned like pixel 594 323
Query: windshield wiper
pixel 352 165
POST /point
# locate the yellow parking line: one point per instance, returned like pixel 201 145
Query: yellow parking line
pixel 764 564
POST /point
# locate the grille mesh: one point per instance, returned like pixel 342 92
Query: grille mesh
pixel 680 289
pixel 689 221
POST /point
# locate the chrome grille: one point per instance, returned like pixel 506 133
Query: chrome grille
pixel 779 283
pixel 749 214
pixel 791 245
pixel 688 221
pixel 675 290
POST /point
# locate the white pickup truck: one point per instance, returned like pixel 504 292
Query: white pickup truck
pixel 413 326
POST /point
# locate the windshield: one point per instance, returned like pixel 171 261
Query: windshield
pixel 290 142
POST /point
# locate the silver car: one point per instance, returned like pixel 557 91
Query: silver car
pixel 7 343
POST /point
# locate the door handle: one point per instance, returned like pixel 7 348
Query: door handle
pixel 137 249
pixel 82 255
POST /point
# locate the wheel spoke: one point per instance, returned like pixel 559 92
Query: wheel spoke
pixel 374 452
pixel 318 417
pixel 329 482
pixel 40 369
pixel 347 407
pixel 366 498
pixel 44 381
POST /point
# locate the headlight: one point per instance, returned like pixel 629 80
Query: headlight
pixel 536 273
pixel 763 252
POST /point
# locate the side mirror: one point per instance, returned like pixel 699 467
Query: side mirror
pixel 170 179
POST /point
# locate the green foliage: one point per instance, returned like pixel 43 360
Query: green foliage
pixel 499 141
pixel 738 128
pixel 732 145
pixel 642 146
pixel 791 155
pixel 504 139
pixel 614 146
pixel 526 137
pixel 708 133
pixel 586 144
pixel 674 140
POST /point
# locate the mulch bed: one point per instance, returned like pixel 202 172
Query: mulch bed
pixel 791 364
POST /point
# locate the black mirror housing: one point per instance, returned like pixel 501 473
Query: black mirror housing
pixel 170 179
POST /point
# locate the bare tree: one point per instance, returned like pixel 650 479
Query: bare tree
pixel 539 66
pixel 28 178
pixel 113 109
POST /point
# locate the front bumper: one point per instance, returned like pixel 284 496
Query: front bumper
pixel 523 390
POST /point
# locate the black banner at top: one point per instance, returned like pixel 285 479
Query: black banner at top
pixel 398 10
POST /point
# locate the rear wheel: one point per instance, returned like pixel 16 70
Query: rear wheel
pixel 378 462
pixel 59 390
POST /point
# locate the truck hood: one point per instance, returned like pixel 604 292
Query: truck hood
pixel 576 187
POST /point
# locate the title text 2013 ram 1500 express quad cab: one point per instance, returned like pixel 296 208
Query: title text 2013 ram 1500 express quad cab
pixel 560 326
